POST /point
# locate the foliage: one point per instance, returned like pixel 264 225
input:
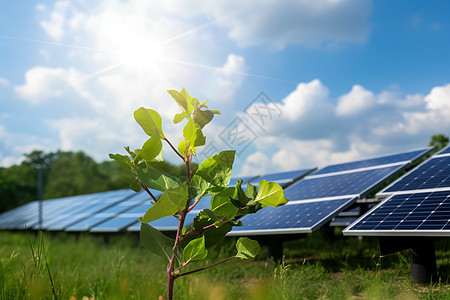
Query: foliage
pixel 181 194
pixel 439 141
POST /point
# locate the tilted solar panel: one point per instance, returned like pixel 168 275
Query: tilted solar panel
pixel 412 214
pixel 418 204
pixel 283 178
pixel 298 217
pixel 445 150
pixel 383 160
pixel 340 184
pixel 432 174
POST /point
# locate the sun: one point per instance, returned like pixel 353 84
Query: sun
pixel 140 53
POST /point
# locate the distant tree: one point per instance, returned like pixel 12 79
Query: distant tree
pixel 75 174
pixel 439 141
pixel 18 185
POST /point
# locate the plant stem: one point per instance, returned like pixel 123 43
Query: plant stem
pixel 200 229
pixel 174 149
pixel 170 273
pixel 204 268
pixel 149 192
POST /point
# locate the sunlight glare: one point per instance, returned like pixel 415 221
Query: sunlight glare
pixel 140 53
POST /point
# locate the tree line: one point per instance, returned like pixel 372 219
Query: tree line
pixel 64 173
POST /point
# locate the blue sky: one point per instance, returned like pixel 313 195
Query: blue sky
pixel 341 79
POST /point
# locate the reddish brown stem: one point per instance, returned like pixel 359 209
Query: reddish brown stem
pixel 149 192
pixel 174 149
pixel 204 268
pixel 197 230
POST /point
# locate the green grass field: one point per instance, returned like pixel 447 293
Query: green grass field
pixel 317 267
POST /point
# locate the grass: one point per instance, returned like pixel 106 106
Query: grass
pixel 317 267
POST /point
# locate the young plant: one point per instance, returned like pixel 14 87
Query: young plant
pixel 180 195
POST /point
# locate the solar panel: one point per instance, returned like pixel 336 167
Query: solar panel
pixel 17 217
pixel 324 193
pixel 419 204
pixel 283 178
pixel 383 160
pixel 411 214
pixel 338 184
pixel 433 174
pixel 294 217
pixel 111 211
pixel 446 150
pixel 85 206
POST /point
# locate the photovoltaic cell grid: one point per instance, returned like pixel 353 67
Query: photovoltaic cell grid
pixel 432 174
pixel 407 215
pixel 99 217
pixel 327 193
pixel 338 184
pixel 383 160
pixel 419 204
pixel 295 218
pixel 61 212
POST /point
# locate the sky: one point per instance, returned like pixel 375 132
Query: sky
pixel 299 84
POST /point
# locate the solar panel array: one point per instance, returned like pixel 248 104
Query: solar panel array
pixel 418 203
pixel 316 199
pixel 111 211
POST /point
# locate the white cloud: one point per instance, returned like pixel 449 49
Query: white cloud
pixel 310 23
pixel 55 27
pixel 4 82
pixel 43 83
pixel 359 100
pixel 439 98
pixel 255 164
pixel 229 78
pixel 307 98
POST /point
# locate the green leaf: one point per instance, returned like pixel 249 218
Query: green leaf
pixel 156 242
pixel 195 250
pixel 251 191
pixel 193 134
pixel 150 121
pixel 203 117
pixel 270 194
pixel 180 99
pixel 182 147
pixel 123 160
pixel 247 248
pixel 157 179
pixel 222 206
pixel 214 234
pixel 133 182
pixel 178 118
pixel 241 196
pixel 170 202
pixel 213 175
pixel 151 149
pixel 189 100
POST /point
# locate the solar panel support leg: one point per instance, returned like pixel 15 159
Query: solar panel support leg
pixel 275 251
pixel 423 263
